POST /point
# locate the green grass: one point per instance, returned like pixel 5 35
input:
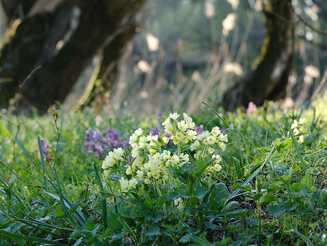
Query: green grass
pixel 270 190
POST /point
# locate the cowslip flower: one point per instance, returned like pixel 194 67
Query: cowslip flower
pixel 179 204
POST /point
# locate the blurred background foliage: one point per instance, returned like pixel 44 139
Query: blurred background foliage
pixel 190 51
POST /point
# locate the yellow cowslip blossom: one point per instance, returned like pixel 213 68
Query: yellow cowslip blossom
pixel 156 175
pixel 147 181
pixel 109 161
pixel 294 125
pixel 184 157
pixel 191 135
pixel 217 168
pixel 211 150
pixel 165 140
pixel 222 146
pixel 118 154
pixel 168 128
pixel 123 184
pixel 216 158
pixel 129 170
pixel 211 140
pixel 195 145
pixel 166 154
pixel 203 136
pixel 126 185
pixel 215 131
pixel 187 118
pixel 139 174
pixel 178 136
pixel 301 139
pixel 182 126
pixel 148 163
pixel 174 116
pixel 179 204
pixel 112 158
pixel 296 131
pixel 302 121
pixel 213 170
pixel 132 183
pixel 175 158
pixel 223 137
pixel 135 136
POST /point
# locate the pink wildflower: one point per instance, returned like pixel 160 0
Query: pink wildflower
pixel 251 108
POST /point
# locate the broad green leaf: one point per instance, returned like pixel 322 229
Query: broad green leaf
pixel 153 230
pixel 276 209
pixel 218 195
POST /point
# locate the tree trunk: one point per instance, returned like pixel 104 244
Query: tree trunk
pixel 15 9
pixel 269 78
pixel 98 90
pixel 38 37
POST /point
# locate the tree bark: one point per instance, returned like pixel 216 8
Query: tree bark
pixel 269 78
pixel 99 21
pixel 15 9
pixel 98 91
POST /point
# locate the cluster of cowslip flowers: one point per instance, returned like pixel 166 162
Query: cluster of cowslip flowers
pixel 95 142
pixel 150 160
pixel 299 129
pixel 211 140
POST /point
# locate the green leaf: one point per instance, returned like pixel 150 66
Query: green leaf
pixel 115 223
pixel 59 212
pixel 200 241
pixel 268 198
pixel 29 238
pixel 5 130
pixel 210 225
pixel 276 209
pixel 243 187
pixel 200 191
pixel 286 144
pixel 153 230
pixel 218 195
pixel 186 238
pixel 229 206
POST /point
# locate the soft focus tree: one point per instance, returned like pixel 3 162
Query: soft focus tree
pixel 269 77
pixel 49 43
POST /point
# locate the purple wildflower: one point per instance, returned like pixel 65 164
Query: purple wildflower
pixel 94 141
pixel 199 129
pixel 168 135
pixel 159 116
pixel 44 146
pixel 113 141
pixel 155 131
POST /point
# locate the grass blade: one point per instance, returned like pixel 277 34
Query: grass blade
pixel 43 168
pixel 28 238
pixel 252 176
pixel 104 202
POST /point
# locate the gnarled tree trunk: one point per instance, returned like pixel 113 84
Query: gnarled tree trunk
pixel 269 78
pixel 45 42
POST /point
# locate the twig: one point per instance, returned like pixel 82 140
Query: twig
pixel 308 24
